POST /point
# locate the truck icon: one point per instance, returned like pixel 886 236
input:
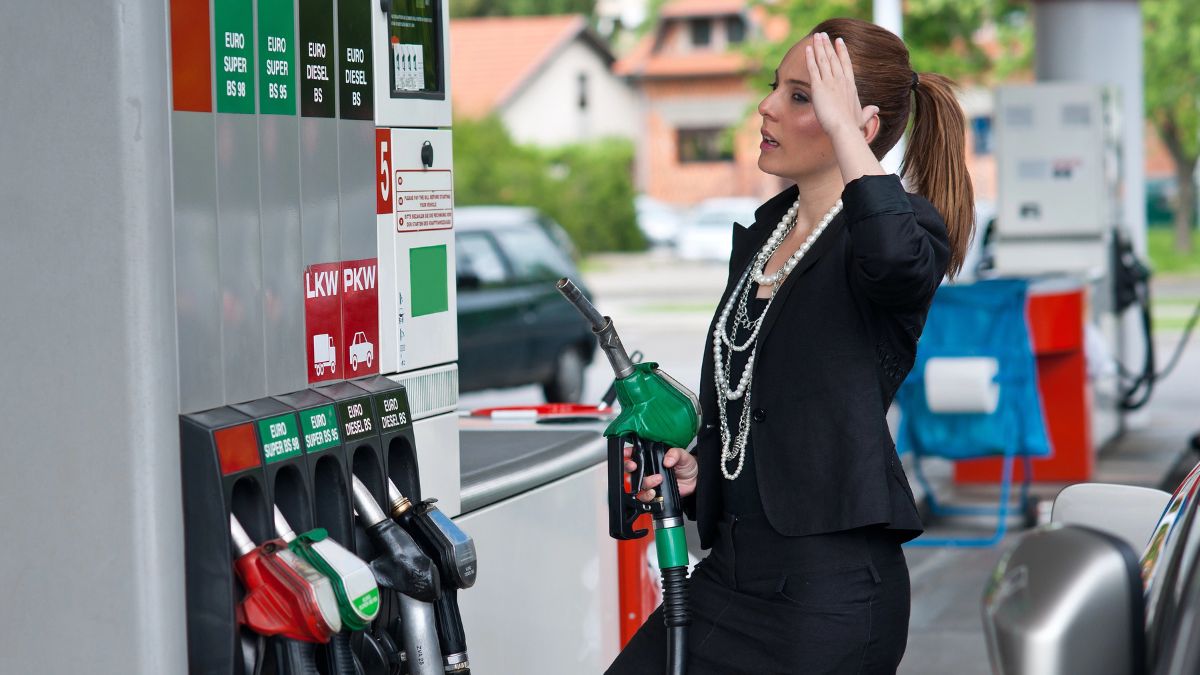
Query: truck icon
pixel 324 353
pixel 361 350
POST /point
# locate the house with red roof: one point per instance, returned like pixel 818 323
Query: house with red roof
pixel 701 131
pixel 548 78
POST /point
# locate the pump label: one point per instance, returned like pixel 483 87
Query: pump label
pixel 357 418
pixel 367 604
pixel 278 439
pixel 354 62
pixel 317 66
pixel 277 50
pixel 424 200
pixel 320 429
pixel 233 21
pixel 393 410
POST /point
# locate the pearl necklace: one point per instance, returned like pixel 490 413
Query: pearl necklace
pixel 734 449
pixel 781 231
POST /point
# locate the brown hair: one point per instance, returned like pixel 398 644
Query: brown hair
pixel 934 163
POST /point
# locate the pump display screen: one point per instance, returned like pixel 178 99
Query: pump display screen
pixel 414 35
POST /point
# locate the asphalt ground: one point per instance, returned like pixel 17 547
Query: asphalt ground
pixel 662 306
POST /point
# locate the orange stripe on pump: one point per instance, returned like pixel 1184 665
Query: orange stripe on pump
pixel 237 448
pixel 191 56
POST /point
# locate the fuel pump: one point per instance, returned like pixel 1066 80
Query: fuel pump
pixel 285 597
pixel 453 551
pixel 353 585
pixel 402 567
pixel 657 413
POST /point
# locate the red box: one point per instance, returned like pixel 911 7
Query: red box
pixel 1056 331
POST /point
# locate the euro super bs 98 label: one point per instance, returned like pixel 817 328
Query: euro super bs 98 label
pixel 278 439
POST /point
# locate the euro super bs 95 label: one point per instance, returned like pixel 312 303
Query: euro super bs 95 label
pixel 278 439
pixel 393 410
pixel 320 429
pixel 357 418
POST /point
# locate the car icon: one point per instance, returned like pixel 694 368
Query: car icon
pixel 361 351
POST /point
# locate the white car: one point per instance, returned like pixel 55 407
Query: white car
pixel 658 221
pixel 361 351
pixel 707 232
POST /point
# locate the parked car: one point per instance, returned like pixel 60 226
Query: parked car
pixel 514 328
pixel 658 221
pixel 1114 590
pixel 707 232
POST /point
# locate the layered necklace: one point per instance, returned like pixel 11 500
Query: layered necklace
pixel 733 449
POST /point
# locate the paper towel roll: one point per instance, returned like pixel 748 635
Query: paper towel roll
pixel 962 384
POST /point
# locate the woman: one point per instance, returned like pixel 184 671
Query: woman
pixel 794 480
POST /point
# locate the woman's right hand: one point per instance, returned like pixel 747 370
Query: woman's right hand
pixel 686 469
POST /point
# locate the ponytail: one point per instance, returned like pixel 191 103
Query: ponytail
pixel 935 164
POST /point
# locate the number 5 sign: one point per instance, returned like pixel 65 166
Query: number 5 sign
pixel 383 171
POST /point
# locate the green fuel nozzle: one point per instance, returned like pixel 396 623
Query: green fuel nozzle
pixel 602 326
pixel 657 414
pixel 353 581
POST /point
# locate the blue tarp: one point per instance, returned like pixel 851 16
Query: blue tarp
pixel 986 318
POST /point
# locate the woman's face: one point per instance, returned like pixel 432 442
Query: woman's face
pixel 793 145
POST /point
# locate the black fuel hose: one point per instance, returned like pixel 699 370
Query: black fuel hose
pixel 341 655
pixel 293 657
pixel 451 635
pixel 677 617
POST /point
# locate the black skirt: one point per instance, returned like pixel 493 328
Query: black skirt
pixel 763 603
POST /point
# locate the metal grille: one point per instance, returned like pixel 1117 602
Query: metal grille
pixel 432 391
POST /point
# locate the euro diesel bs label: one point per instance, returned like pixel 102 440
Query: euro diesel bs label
pixel 320 429
pixel 393 410
pixel 277 438
pixel 357 418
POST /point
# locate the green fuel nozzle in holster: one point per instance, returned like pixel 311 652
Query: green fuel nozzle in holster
pixel 657 413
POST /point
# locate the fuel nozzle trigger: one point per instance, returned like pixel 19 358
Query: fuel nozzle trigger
pixel 623 505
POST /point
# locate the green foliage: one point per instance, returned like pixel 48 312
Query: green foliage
pixel 939 33
pixel 1172 68
pixel 1160 242
pixel 587 188
pixel 476 8
pixel 1171 48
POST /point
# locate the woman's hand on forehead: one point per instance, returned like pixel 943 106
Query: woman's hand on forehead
pixel 834 94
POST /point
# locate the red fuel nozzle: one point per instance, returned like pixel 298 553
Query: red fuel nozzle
pixel 284 594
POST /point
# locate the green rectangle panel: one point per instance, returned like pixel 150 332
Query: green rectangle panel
pixel 233 22
pixel 277 438
pixel 277 45
pixel 320 428
pixel 427 276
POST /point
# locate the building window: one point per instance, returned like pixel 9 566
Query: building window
pixel 735 30
pixel 710 144
pixel 701 32
pixel 583 91
pixel 981 131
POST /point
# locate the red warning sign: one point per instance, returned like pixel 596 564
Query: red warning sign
pixel 424 200
pixel 383 171
pixel 360 317
pixel 323 321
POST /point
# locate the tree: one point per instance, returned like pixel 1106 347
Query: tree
pixel 940 34
pixel 1171 45
pixel 586 187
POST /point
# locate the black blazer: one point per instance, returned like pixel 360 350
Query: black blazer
pixel 835 344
